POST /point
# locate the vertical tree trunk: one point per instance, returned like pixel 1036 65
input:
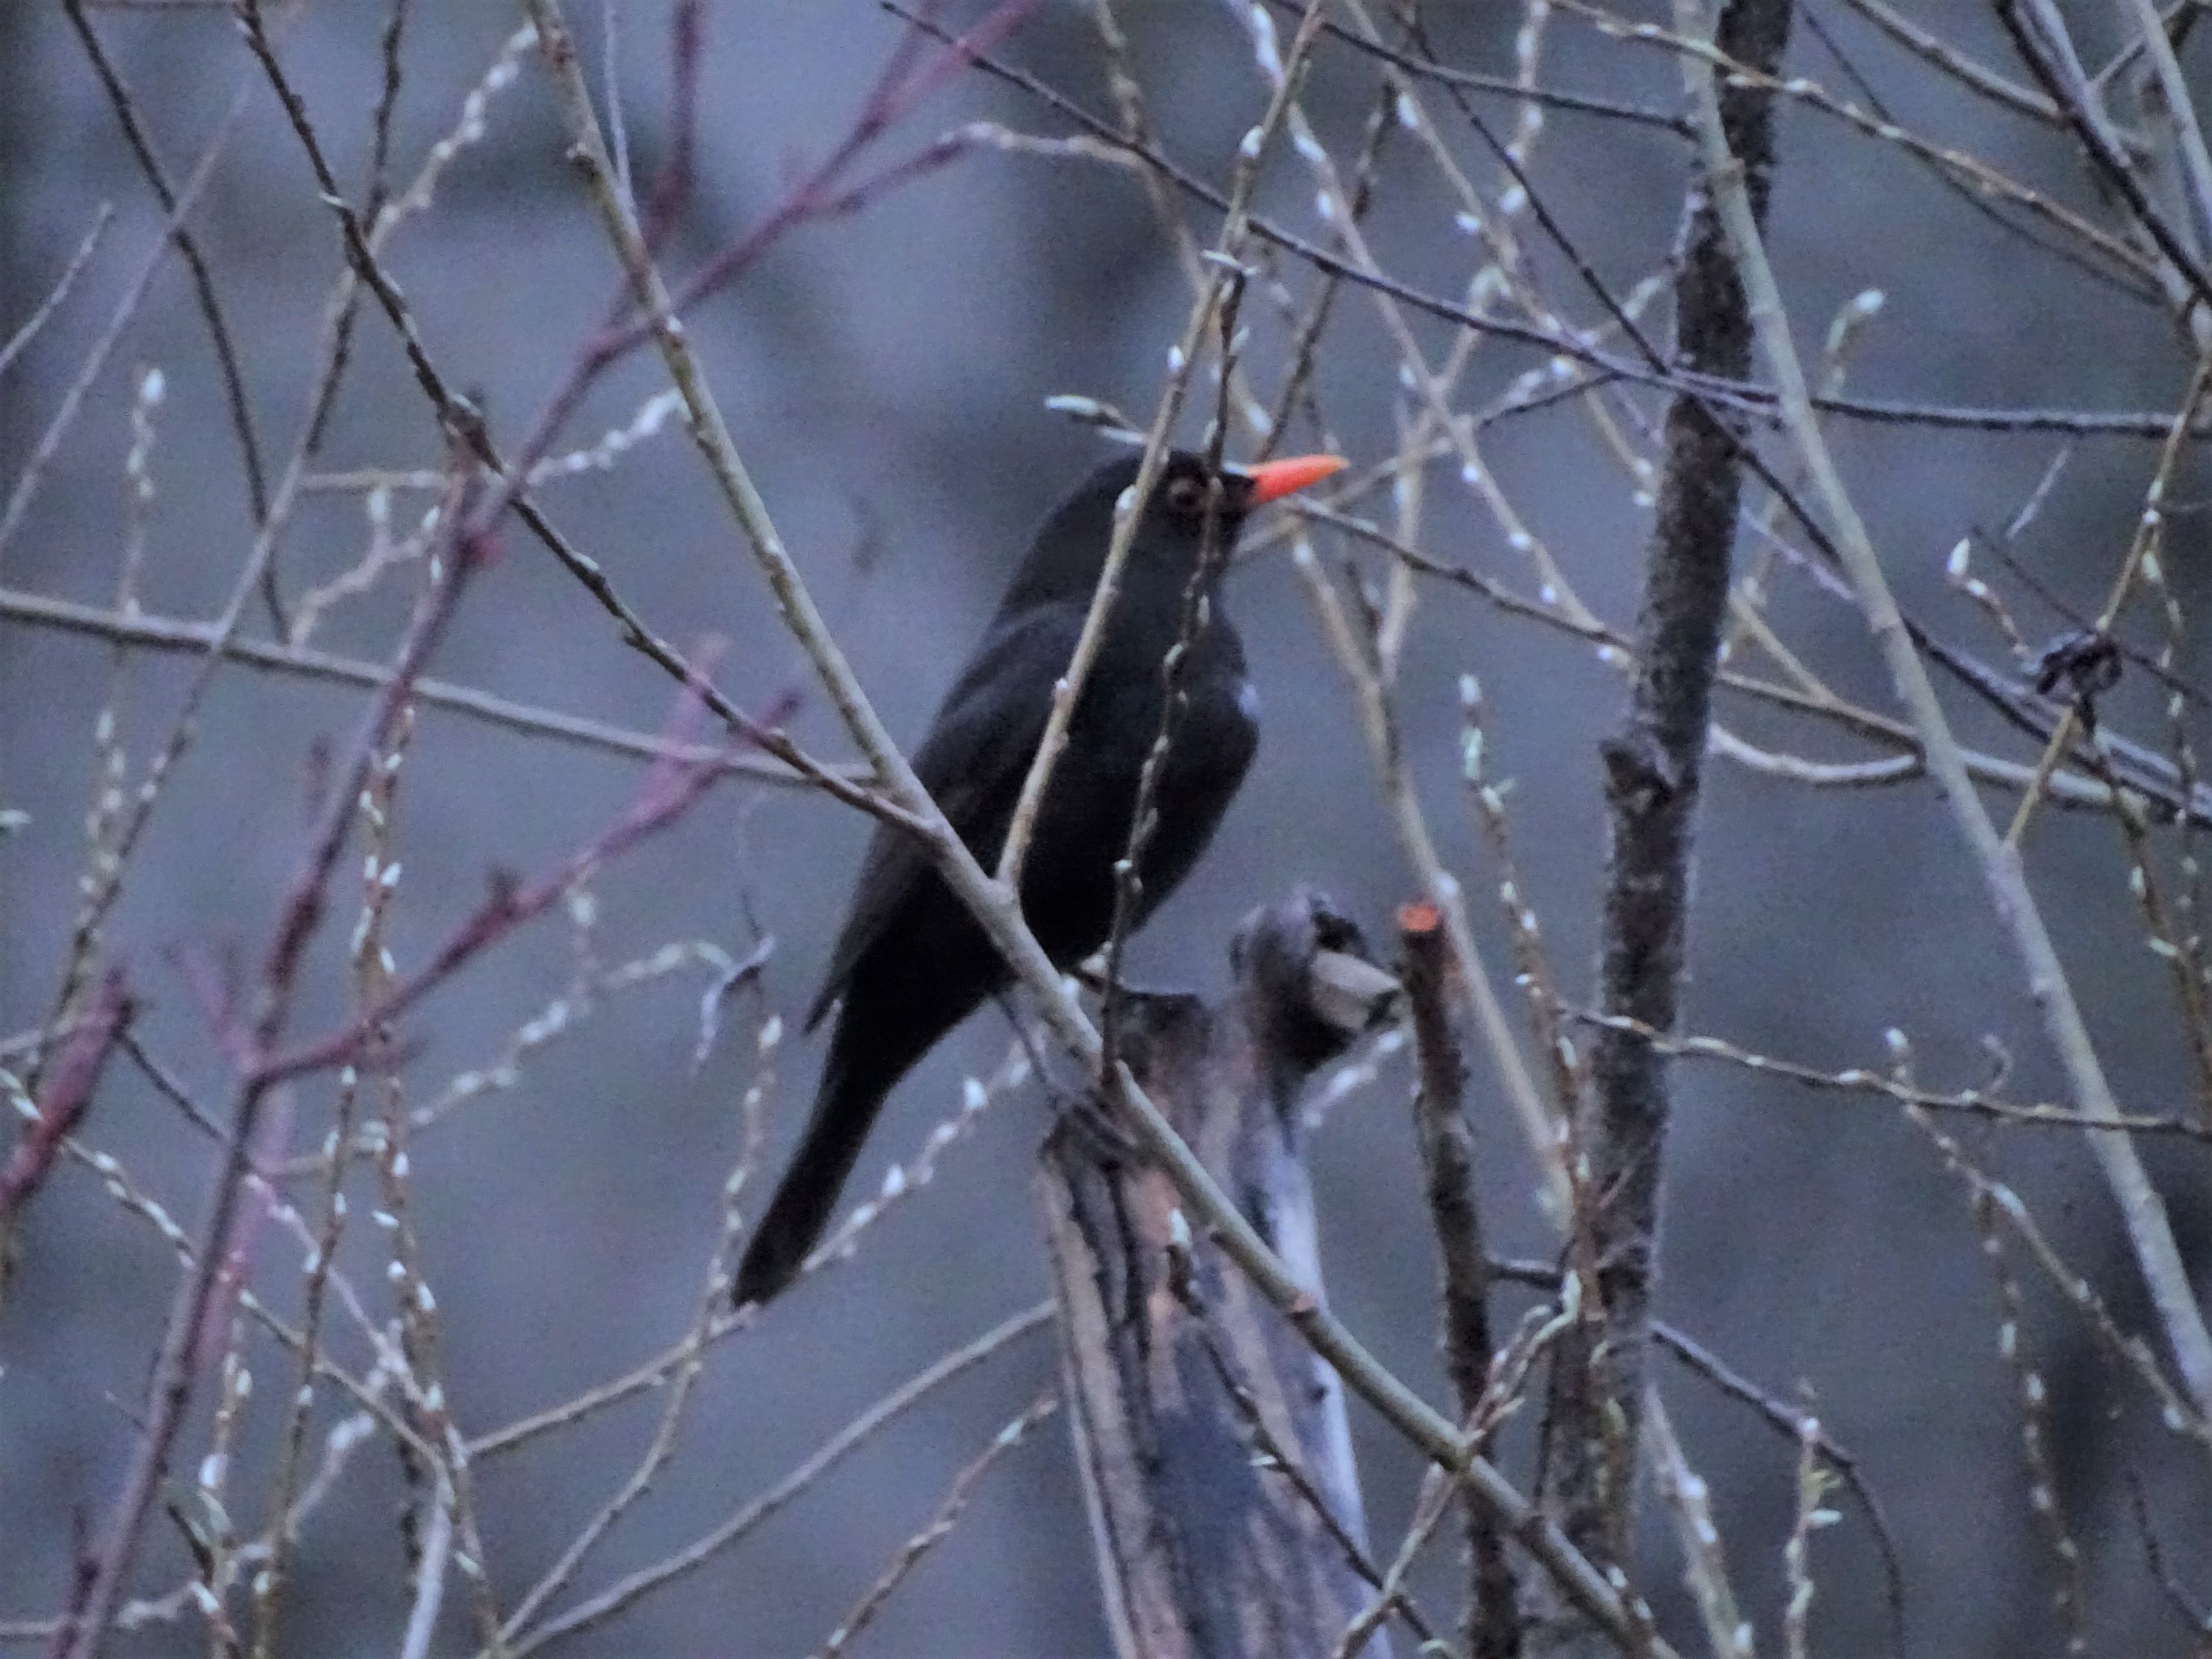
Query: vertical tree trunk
pixel 1653 770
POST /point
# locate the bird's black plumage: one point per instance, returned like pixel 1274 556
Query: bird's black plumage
pixel 911 964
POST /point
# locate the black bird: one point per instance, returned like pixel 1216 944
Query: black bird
pixel 911 963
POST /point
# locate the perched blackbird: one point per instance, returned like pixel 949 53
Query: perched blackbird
pixel 911 963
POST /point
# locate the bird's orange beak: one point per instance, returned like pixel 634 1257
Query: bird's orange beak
pixel 1271 479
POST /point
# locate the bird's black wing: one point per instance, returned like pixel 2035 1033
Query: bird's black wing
pixel 972 762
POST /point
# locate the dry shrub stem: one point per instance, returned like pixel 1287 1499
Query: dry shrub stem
pixel 1446 1138
pixel 203 287
pixel 597 1609
pixel 141 631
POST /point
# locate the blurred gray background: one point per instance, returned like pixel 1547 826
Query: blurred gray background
pixel 884 375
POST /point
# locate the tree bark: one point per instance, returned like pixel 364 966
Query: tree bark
pixel 1210 1436
pixel 1446 1140
pixel 1653 768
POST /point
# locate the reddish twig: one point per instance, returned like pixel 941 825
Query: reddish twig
pixel 63 1101
pixel 671 789
pixel 821 192
pixel 464 552
pixel 671 185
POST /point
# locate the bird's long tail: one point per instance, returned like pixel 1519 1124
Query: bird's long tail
pixel 863 1065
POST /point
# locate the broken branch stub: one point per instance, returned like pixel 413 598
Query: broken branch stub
pixel 1190 1394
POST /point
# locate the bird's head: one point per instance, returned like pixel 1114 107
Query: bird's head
pixel 1191 508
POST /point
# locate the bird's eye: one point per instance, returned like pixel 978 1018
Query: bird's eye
pixel 1186 494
